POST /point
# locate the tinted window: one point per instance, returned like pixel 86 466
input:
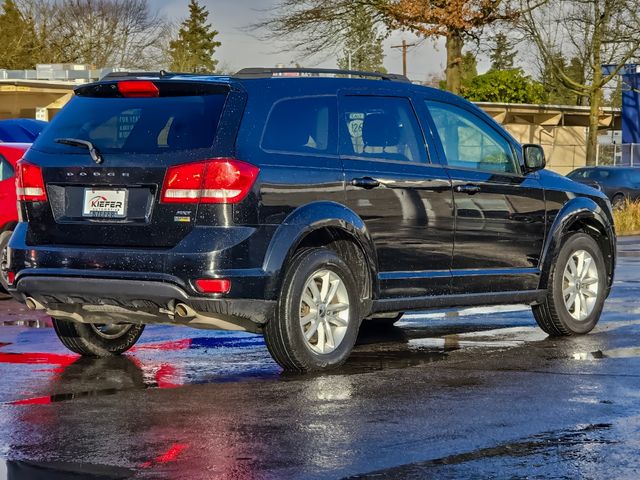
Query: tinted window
pixel 6 170
pixel 578 174
pixel 599 174
pixel 302 125
pixel 381 127
pixel 469 142
pixel 138 125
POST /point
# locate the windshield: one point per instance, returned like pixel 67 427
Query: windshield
pixel 136 125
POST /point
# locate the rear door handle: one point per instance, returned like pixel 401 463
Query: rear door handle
pixel 468 189
pixel 365 182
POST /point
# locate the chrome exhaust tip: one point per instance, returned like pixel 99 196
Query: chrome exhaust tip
pixel 33 304
pixel 184 311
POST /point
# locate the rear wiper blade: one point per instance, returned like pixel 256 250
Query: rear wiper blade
pixel 74 142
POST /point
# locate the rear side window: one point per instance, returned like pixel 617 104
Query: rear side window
pixel 136 125
pixel 302 125
pixel 6 170
pixel 381 127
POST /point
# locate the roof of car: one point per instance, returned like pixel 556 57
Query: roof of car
pixel 309 77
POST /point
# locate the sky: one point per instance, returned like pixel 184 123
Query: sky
pixel 242 49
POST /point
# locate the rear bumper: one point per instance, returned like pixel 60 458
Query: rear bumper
pixel 103 300
pixel 235 253
pixel 147 283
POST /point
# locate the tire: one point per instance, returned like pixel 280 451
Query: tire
pixel 618 201
pixel 553 315
pixel 97 341
pixel 4 241
pixel 285 334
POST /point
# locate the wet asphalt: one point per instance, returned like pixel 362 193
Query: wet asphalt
pixel 477 393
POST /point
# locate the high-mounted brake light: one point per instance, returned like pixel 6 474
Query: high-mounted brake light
pixel 29 183
pixel 219 180
pixel 138 89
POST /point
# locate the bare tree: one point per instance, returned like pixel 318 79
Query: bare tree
pixel 599 32
pixel 121 33
pixel 313 26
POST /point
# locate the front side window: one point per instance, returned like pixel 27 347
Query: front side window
pixel 302 125
pixel 381 127
pixel 469 142
pixel 6 170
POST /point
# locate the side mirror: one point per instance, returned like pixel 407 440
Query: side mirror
pixel 533 158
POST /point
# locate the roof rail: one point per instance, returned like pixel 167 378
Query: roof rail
pixel 247 73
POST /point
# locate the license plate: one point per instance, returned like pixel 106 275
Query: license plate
pixel 104 203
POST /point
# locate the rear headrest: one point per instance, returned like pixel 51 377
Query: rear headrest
pixel 380 130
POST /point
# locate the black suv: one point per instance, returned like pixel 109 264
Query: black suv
pixel 293 206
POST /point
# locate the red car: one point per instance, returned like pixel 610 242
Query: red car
pixel 10 153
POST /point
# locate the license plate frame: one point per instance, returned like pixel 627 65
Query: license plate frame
pixel 105 203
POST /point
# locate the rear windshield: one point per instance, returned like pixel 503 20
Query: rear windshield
pixel 136 125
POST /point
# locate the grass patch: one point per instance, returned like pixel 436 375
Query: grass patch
pixel 627 218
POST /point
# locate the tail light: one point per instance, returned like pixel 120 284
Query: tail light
pixel 219 180
pixel 29 183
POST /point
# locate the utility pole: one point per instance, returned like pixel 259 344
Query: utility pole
pixel 405 46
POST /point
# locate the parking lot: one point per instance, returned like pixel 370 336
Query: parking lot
pixel 479 392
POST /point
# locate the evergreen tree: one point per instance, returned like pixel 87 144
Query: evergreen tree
pixel 502 57
pixel 193 49
pixel 363 41
pixel 18 47
pixel 557 92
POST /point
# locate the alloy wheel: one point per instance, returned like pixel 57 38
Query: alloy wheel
pixel 580 285
pixel 324 311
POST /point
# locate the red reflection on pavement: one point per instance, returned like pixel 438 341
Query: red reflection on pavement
pixel 38 358
pixel 177 345
pixel 166 377
pixel 33 401
pixel 166 457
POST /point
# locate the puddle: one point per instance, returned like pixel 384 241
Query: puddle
pixel 234 358
pixel 30 323
pixel 525 458
pixel 98 377
pixel 27 470
pixel 630 352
